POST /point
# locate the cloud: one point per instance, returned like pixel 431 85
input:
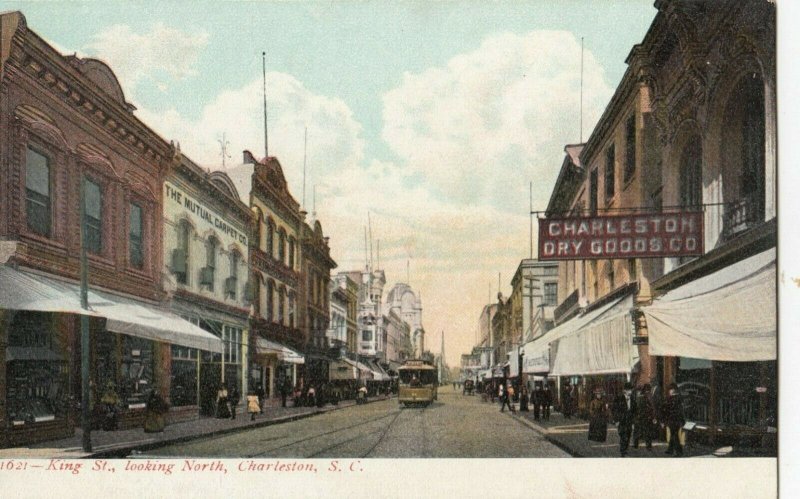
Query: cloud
pixel 468 136
pixel 334 136
pixel 160 55
pixel 481 126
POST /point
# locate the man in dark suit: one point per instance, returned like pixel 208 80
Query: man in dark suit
pixel 624 410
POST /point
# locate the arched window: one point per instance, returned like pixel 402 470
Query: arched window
pixel 37 193
pixel 180 256
pixel 691 174
pixel 282 246
pixel 281 305
pixel 270 301
pixel 207 272
pixel 291 252
pixel 743 156
pixel 232 281
pixel 270 243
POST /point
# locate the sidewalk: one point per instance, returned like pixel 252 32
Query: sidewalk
pixel 122 442
pixel 571 435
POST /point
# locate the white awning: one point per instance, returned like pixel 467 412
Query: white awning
pixel 342 370
pixel 537 353
pixel 728 315
pixel 23 290
pixel 133 318
pixel 28 291
pixel 602 347
pixel 486 374
pixel 284 353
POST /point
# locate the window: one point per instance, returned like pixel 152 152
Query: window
pixel 233 279
pixel 632 274
pixel 630 147
pixel 207 273
pixel 282 246
pixel 610 274
pixel 291 253
pixel 550 293
pixel 593 192
pixel 366 335
pixel 183 376
pixel 93 222
pixel 281 305
pixel 180 258
pixel 270 239
pixel 270 301
pixel 291 310
pixel 37 193
pixel 752 136
pixel 691 183
pixel 135 250
pixel 609 172
pixel 232 338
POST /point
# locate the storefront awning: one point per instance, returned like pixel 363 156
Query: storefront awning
pixel 134 318
pixel 604 346
pixel 23 290
pixel 29 291
pixel 537 353
pixel 341 370
pixel 728 315
pixel 284 353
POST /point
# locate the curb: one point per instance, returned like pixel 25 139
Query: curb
pixel 120 452
pixel 544 433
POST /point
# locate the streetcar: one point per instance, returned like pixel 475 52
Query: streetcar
pixel 418 383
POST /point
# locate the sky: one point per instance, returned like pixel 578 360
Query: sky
pixel 430 119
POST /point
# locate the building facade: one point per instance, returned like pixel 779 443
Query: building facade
pixel 405 303
pixel 276 338
pixel 206 254
pixel 79 170
pixel 315 269
pixel 691 128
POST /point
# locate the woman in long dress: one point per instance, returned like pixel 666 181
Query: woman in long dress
pixel 598 418
pixel 223 411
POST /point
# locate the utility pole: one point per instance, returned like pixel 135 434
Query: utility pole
pixel 86 423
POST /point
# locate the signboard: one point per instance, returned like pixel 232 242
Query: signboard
pixel 176 200
pixel 648 235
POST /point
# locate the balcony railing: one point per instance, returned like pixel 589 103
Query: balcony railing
pixel 740 216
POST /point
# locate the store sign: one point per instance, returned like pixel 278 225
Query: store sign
pixel 655 235
pixel 176 198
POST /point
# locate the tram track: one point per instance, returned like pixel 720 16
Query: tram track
pixel 266 452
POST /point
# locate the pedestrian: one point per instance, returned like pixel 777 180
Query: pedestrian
pixel 646 422
pixel 311 397
pixel 284 393
pixel 673 419
pixel 222 412
pixel 110 402
pixel 155 411
pixel 253 404
pixel 547 400
pixel 260 394
pixel 598 417
pixel 233 400
pixel 501 394
pixel 362 395
pixel 566 402
pixel 510 398
pixel 624 413
pixel 523 399
pixel 537 401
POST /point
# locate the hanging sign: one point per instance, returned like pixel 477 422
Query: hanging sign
pixel 655 235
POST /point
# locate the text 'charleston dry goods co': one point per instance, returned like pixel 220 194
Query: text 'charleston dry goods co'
pixel 626 236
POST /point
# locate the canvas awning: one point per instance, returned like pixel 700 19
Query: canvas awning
pixel 29 291
pixel 284 353
pixel 23 290
pixel 537 353
pixel 604 346
pixel 728 315
pixel 342 370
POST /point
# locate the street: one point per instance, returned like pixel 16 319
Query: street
pixel 454 426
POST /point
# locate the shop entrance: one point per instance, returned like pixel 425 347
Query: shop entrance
pixel 210 381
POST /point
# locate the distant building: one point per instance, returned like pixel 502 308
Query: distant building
pixel 406 304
